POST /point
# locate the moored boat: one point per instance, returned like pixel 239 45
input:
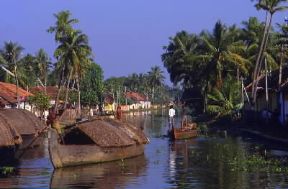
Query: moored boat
pixel 94 142
pixel 189 131
pixel 18 129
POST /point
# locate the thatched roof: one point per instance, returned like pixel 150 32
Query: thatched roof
pixel 132 131
pixel 105 135
pixel 23 121
pixel 9 136
pixel 68 116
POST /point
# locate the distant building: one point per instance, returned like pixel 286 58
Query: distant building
pixel 8 96
pixel 51 91
pixel 139 101
pixel 109 104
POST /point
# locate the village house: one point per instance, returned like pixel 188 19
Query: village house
pixel 8 96
pixel 139 101
pixel 276 108
pixel 51 91
pixel 109 103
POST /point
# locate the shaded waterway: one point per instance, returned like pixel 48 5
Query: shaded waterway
pixel 203 162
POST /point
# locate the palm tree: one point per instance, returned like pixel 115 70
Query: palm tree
pixel 74 54
pixel 42 64
pixel 27 74
pixel 225 101
pixel 271 7
pixel 62 29
pixel 223 52
pixel 251 35
pixel 156 78
pixel 11 54
pixel 63 25
pixel 179 59
pixel 282 43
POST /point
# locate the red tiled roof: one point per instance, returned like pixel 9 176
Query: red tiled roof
pixel 136 96
pixel 50 90
pixel 8 93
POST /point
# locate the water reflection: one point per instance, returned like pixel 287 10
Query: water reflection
pixel 208 163
pixel 107 175
pixel 203 162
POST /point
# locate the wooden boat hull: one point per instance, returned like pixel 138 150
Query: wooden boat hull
pixel 178 133
pixel 72 155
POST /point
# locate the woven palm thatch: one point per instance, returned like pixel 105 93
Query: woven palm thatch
pixel 23 121
pixel 134 132
pixel 9 136
pixel 68 116
pixel 105 135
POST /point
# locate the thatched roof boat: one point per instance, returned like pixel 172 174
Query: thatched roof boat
pixel 94 142
pixel 23 121
pixel 9 136
pixel 17 130
pixel 15 124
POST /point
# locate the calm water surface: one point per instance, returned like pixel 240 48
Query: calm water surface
pixel 195 163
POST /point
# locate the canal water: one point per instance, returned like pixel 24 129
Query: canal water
pixel 203 162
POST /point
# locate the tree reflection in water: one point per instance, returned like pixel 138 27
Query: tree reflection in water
pixel 214 163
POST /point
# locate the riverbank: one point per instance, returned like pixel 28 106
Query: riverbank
pixel 264 131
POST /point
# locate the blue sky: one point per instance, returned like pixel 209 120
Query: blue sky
pixel 126 36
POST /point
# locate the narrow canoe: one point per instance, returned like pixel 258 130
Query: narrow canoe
pixel 183 133
pixel 71 155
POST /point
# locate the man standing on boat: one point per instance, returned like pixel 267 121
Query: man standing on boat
pixel 171 116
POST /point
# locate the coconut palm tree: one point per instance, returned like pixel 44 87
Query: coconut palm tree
pixel 11 54
pixel 156 78
pixel 281 48
pixel 63 30
pixel 224 53
pixel 225 101
pixel 73 54
pixel 26 71
pixel 63 25
pixel 270 7
pixel 182 60
pixel 42 63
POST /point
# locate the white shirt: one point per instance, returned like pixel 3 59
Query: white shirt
pixel 171 112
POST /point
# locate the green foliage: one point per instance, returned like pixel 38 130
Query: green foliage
pixel 5 171
pixel 150 84
pixel 40 100
pixel 92 85
pixel 225 101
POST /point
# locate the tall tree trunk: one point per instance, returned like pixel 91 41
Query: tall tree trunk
pixel 280 66
pixel 238 75
pixel 153 90
pixel 67 89
pixel 45 83
pixel 260 53
pixel 60 82
pixel 17 85
pixel 260 57
pixel 79 97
